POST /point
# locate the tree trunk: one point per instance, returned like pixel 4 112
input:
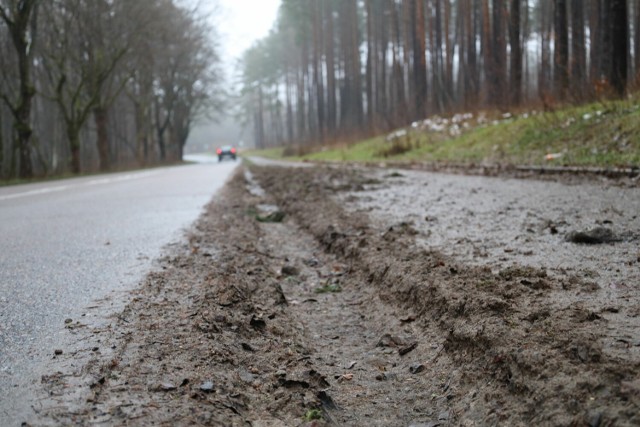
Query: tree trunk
pixel 2 168
pixel 516 53
pixel 369 65
pixel 300 106
pixel 161 126
pixel 419 59
pixel 545 55
pixel 561 49
pixel 73 134
pixel 407 55
pixel 331 70
pixel 578 62
pixel 101 120
pixel 18 26
pixel 437 65
pixel 601 44
pixel 619 51
pixel 463 74
pixel 637 41
pixel 358 104
pixel 142 149
pixel 398 100
pixel 288 95
pixel 259 122
pixel 473 72
pixel 23 131
pixel 382 14
pixel 318 78
pixel 449 48
pixel 499 54
pixel 352 96
pixel 487 49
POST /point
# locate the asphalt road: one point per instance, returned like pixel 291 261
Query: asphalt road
pixel 68 248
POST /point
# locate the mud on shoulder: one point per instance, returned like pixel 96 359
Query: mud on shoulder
pixel 284 308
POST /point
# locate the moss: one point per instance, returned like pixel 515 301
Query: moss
pixel 312 414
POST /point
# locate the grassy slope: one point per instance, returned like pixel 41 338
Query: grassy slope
pixel 601 134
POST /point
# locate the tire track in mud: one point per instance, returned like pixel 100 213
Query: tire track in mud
pixel 367 350
pixel 519 357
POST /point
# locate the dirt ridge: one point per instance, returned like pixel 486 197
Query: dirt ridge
pixel 506 333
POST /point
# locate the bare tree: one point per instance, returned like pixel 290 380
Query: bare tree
pixel 80 68
pixel 20 18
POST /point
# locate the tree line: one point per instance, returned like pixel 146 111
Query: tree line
pixel 91 85
pixel 341 69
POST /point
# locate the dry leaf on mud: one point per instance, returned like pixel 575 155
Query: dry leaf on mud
pixel 345 377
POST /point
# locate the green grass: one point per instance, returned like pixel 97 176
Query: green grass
pixel 604 134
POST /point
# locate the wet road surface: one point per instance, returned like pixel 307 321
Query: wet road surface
pixel 70 248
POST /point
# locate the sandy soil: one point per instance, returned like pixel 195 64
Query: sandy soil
pixel 367 297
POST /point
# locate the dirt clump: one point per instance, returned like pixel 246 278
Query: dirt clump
pixel 323 315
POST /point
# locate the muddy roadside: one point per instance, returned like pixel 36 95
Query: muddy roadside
pixel 299 298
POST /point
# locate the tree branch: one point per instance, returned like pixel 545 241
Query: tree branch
pixel 5 17
pixel 7 101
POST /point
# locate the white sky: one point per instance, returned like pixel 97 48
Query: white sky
pixel 239 23
pixel 242 22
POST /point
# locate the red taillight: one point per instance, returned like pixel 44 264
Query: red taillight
pixel 219 151
pixel 233 151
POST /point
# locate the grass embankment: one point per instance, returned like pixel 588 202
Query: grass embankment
pixel 599 135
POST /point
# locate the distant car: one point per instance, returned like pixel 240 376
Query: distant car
pixel 226 151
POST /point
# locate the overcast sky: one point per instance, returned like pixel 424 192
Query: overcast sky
pixel 239 23
pixel 242 22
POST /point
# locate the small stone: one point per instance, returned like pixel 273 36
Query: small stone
pixel 388 340
pixel 67 321
pixel 417 368
pixel 289 270
pixel 167 387
pixel 312 262
pixel 257 323
pixel 444 416
pixel 386 376
pixel 594 236
pixel 595 419
pixel 246 376
pixel 207 387
pixel 277 216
